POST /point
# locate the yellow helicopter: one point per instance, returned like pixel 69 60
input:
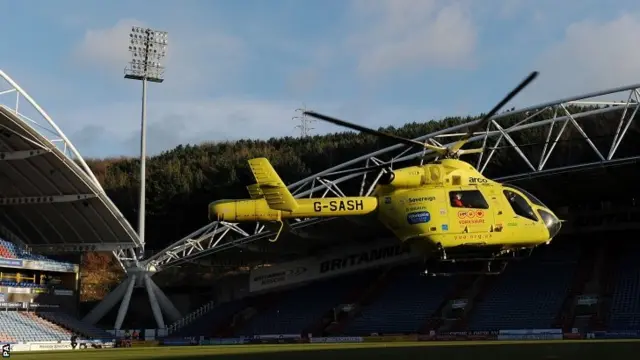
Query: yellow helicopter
pixel 445 205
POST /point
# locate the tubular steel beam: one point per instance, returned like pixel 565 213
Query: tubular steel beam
pixel 217 237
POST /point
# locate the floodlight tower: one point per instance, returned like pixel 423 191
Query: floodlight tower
pixel 148 47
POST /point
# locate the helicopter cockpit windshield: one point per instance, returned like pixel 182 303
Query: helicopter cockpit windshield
pixel 522 208
pixel 532 198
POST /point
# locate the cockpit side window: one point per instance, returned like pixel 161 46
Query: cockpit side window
pixel 471 199
pixel 519 205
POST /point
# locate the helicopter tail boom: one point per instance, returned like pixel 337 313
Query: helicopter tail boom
pixel 272 201
pixel 259 209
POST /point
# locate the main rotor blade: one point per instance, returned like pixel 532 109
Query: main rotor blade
pixel 470 151
pixel 480 125
pixel 373 132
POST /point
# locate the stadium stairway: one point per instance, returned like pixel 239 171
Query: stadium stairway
pixel 461 287
pixel 583 281
pixel 361 297
pixel 208 322
pixel 202 310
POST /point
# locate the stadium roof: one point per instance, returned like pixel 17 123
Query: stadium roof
pixel 551 121
pixel 49 201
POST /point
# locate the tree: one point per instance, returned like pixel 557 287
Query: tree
pixel 100 272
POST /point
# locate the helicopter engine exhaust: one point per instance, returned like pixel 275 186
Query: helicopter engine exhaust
pixel 410 177
pixel 259 210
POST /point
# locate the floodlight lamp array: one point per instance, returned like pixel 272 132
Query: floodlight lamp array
pixel 151 69
pixel 148 47
pixel 148 44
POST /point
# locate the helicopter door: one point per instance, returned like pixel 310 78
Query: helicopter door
pixel 469 211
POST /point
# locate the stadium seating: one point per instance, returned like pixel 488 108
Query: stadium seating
pixel 209 322
pixel 18 326
pixel 409 300
pixel 10 251
pixel 72 324
pixel 530 292
pixel 625 303
pixel 301 308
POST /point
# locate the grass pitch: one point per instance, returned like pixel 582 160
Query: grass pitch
pixel 512 350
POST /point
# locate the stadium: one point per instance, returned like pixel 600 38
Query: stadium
pixel 330 285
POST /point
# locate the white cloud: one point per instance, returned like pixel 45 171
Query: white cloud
pixel 193 57
pixel 106 47
pixel 440 35
pixel 508 8
pixel 304 79
pixel 114 129
pixel 412 34
pixel 592 56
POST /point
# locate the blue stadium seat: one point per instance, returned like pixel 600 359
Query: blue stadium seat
pixel 301 308
pixel 530 292
pixel 18 326
pixel 625 303
pixel 408 301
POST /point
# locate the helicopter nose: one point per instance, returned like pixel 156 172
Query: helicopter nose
pixel 551 221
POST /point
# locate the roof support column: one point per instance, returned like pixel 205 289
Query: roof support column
pixel 155 307
pixel 124 305
pixel 107 303
pixel 138 277
pixel 165 304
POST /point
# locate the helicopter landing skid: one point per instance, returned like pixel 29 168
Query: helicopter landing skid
pixel 472 263
pixel 480 267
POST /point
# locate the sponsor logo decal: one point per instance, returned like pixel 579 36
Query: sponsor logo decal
pixel 421 199
pixel 418 217
pixel 476 180
pixel 471 216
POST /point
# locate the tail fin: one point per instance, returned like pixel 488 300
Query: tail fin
pixel 275 192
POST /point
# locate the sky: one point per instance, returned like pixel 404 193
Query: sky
pixel 239 69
